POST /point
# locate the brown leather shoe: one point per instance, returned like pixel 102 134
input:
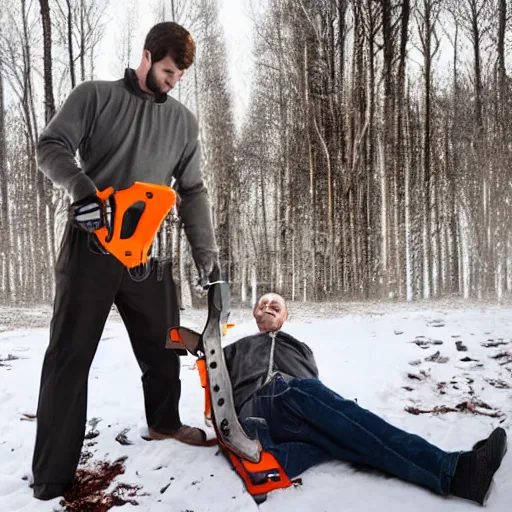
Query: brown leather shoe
pixel 185 434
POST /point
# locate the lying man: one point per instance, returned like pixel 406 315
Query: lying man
pixel 280 400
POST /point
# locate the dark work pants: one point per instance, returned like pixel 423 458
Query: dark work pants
pixel 87 284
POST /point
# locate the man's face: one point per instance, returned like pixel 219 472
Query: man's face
pixel 270 313
pixel 163 76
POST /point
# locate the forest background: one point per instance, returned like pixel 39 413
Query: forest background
pixel 370 160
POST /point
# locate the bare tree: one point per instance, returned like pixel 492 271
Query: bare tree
pixel 125 38
pixel 47 60
pixel 80 25
pixel 427 16
pixel 217 128
pixel 5 251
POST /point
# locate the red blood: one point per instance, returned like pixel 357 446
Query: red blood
pixel 89 492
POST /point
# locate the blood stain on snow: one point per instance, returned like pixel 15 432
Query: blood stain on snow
pixel 89 492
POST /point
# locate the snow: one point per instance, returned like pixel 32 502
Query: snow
pixel 363 351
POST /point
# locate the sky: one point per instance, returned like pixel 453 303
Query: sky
pixel 382 355
pixel 237 24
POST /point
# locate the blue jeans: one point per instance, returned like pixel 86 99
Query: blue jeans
pixel 306 423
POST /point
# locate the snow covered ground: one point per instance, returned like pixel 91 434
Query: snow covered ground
pixel 377 354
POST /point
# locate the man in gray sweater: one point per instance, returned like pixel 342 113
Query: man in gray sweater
pixel 125 131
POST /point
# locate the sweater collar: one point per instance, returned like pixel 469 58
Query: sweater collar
pixel 131 82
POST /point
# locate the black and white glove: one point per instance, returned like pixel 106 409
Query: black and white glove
pixel 91 213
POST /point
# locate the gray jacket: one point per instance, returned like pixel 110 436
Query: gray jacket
pixel 250 361
pixel 122 136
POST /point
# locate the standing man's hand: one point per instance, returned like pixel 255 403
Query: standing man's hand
pixel 208 268
pixel 90 213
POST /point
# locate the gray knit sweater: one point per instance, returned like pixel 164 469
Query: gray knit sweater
pixel 122 135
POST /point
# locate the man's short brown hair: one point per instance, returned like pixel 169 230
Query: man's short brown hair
pixel 169 38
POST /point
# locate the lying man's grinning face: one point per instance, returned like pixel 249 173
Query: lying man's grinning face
pixel 270 313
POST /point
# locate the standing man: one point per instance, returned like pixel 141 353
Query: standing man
pixel 125 131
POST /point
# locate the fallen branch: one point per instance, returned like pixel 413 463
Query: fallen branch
pixel 465 407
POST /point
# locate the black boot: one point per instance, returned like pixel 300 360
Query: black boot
pixel 476 468
pixel 47 492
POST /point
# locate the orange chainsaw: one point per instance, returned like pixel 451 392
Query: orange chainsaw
pixel 135 216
